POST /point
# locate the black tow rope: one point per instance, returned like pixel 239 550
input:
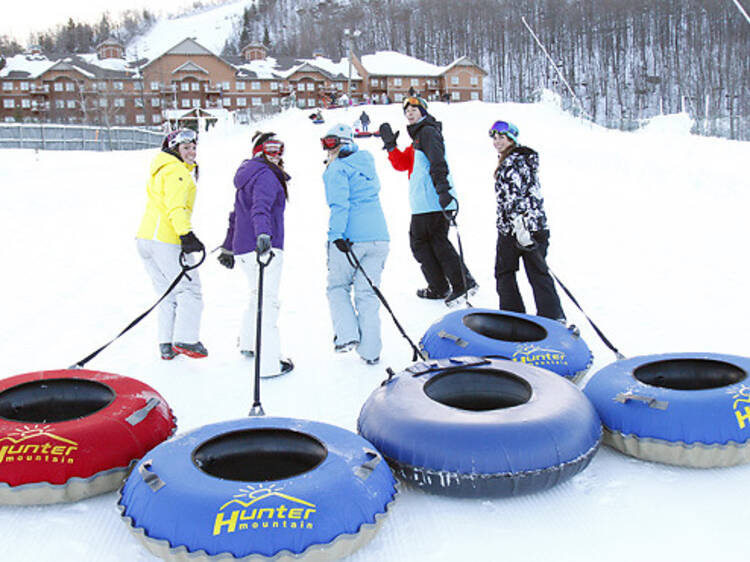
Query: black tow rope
pixel 596 328
pixel 355 263
pixel 451 217
pixel 183 273
pixel 257 408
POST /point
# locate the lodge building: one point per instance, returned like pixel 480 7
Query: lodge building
pixel 103 88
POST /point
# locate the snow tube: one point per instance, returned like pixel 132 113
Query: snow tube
pixel 473 427
pixel 318 121
pixel 73 433
pixel 688 409
pixel 362 134
pixel 260 489
pixel 532 340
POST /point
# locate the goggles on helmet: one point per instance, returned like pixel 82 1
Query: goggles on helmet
pixel 330 142
pixel 504 128
pixel 272 147
pixel 180 136
pixel 415 101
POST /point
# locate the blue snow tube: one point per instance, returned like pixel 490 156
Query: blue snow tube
pixel 533 340
pixel 689 409
pixel 265 488
pixel 473 427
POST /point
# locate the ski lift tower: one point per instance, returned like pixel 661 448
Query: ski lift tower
pixel 350 37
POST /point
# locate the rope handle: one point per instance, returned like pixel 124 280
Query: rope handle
pixel 364 470
pixel 150 477
pixel 625 397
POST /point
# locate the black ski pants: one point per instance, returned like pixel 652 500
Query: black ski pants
pixel 534 262
pixel 430 246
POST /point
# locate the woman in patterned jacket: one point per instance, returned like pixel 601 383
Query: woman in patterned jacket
pixel 522 231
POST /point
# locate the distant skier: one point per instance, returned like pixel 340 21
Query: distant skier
pixel 256 227
pixel 356 224
pixel 430 194
pixel 521 225
pixel 164 233
pixel 365 120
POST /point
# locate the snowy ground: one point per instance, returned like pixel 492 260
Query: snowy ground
pixel 648 231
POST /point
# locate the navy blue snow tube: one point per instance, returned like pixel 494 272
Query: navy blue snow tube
pixel 477 427
pixel 260 487
pixel 533 340
pixel 689 409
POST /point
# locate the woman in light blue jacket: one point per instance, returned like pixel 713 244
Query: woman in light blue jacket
pixel 357 226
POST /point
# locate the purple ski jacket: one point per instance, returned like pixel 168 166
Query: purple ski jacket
pixel 258 206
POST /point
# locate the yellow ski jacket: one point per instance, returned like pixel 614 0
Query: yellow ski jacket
pixel 171 195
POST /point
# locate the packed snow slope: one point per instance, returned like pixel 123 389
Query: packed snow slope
pixel 649 231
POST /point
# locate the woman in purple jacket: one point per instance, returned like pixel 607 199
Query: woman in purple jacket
pixel 256 227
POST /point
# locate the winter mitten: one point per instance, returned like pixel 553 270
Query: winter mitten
pixel 190 243
pixel 445 199
pixel 387 136
pixel 343 245
pixel 226 258
pixel 522 234
pixel 263 243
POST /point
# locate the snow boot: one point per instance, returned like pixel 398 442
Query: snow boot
pixel 345 347
pixel 166 351
pixel 195 350
pixel 285 366
pixel 457 294
pixel 431 294
pixel 247 353
pixel 371 361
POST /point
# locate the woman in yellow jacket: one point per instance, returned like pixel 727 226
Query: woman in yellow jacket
pixel 164 233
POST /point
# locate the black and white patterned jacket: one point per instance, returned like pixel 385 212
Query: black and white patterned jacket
pixel 518 192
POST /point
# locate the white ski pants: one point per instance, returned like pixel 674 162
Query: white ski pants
pixel 271 344
pixel 180 311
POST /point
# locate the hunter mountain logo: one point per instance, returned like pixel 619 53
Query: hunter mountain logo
pixel 742 396
pixel 264 507
pixel 535 355
pixel 36 443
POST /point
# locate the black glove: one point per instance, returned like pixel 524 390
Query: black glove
pixel 190 243
pixel 343 245
pixel 226 259
pixel 387 136
pixel 263 243
pixel 445 199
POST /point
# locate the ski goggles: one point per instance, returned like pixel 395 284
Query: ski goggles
pixel 272 147
pixel 181 136
pixel 504 128
pixel 330 142
pixel 416 102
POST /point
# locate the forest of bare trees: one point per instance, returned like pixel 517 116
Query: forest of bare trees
pixel 625 60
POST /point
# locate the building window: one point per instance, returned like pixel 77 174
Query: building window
pixel 456 96
pixel 226 102
pixel 196 102
pixel 9 103
pixel 140 119
pixel 311 86
pixel 274 86
pixel 70 87
pixel 119 102
pixel 120 119
pixel 398 97
pixel 156 118
pixel 155 85
pixel 71 104
pixel 242 102
pixel 474 80
pixel 454 80
pixel 274 101
pixel 195 86
pixel 26 103
pixel 397 82
pixel 7 86
pixel 9 119
pixel 102 102
pixel 311 102
pixel 374 82
pixel 340 86
pixel 475 95
pixel 239 86
pixel 415 81
pixel 117 85
pixel 257 101
pixel 59 104
pixel 138 86
pixel 138 102
pixel 255 85
pixel 301 103
pixel 185 87
pixel 155 102
pixel 185 102
pixel 225 86
pixel 24 86
pixel 58 87
pixel 300 87
pixel 102 85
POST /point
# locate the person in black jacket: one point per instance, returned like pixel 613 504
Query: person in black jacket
pixel 431 196
pixel 521 225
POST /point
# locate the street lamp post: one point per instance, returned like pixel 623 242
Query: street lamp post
pixel 350 37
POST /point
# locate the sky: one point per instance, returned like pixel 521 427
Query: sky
pixel 41 15
pixel 622 208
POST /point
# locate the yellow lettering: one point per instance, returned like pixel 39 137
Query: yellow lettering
pixel 244 517
pixel 71 448
pixel 295 513
pixel 269 510
pixel 17 451
pixel 243 526
pixel 32 448
pixel 309 525
pixel 231 523
pixel 45 448
pixel 3 449
pixel 58 450
pixel 308 512
pixel 280 511
pixel 742 418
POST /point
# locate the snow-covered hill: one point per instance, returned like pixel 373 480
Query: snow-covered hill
pixel 648 230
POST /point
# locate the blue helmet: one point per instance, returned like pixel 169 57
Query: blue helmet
pixel 505 128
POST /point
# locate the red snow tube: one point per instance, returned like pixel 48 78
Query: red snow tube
pixel 73 433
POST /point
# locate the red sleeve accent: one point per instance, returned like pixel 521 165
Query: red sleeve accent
pixel 402 160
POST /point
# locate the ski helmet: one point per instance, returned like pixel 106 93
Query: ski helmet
pixel 177 137
pixel 417 102
pixel 505 128
pixel 337 135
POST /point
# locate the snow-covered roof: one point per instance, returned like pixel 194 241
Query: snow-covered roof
pixel 119 65
pixel 266 68
pixel 26 66
pixel 391 63
pixel 335 69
